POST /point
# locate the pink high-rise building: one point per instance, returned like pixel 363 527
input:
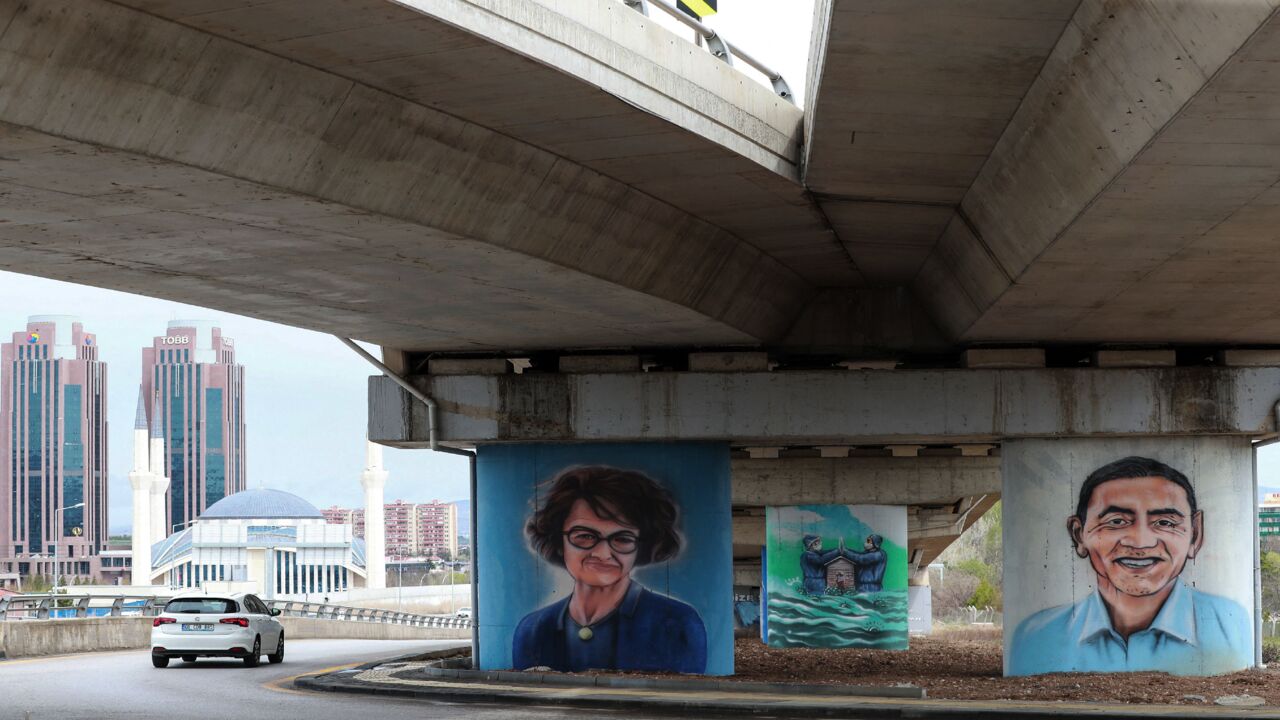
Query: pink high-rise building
pixel 53 446
pixel 357 522
pixel 401 521
pixel 335 515
pixel 191 371
pixel 437 529
pixel 411 529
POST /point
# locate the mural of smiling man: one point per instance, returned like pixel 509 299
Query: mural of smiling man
pixel 1137 523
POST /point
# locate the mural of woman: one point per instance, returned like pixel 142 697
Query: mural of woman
pixel 599 523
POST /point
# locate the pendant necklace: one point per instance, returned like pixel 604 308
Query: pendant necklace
pixel 585 633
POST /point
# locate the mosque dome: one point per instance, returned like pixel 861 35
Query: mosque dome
pixel 260 503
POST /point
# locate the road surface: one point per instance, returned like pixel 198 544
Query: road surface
pixel 124 686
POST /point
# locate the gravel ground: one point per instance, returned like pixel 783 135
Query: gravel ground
pixel 967 665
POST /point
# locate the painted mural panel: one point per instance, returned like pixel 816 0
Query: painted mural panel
pixel 607 557
pixel 837 576
pixel 1128 555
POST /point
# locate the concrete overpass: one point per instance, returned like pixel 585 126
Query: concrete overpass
pixel 385 172
pixel 1039 172
pixel 565 184
pixel 1056 171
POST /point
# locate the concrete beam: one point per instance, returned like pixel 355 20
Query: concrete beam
pixel 1002 358
pixel 879 480
pixel 464 366
pixel 830 407
pixel 1248 358
pixel 599 363
pixel 728 361
pixel 931 544
pixel 746 573
pixel 1134 358
pixel 748 530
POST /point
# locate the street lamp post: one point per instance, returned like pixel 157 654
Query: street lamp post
pixel 57 540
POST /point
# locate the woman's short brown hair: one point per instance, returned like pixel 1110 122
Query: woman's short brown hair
pixel 624 496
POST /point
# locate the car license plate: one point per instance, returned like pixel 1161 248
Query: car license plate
pixel 197 627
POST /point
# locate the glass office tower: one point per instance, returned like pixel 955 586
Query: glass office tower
pixel 192 372
pixel 53 444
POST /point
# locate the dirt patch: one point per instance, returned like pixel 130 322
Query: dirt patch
pixel 967 665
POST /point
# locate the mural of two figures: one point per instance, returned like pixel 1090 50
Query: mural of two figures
pixel 837 576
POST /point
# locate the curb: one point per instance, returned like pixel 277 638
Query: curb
pixel 446 654
pixel 527 678
pixel 690 703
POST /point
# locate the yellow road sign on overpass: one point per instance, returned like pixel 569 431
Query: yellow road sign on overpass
pixel 698 8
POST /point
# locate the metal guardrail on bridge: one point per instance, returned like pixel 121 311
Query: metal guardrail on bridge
pixel 45 606
pixel 716 44
pixel 62 607
pixel 294 608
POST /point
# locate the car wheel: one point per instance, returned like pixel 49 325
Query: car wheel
pixel 160 661
pixel 188 658
pixel 277 657
pixel 255 655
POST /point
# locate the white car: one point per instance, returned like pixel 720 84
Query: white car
pixel 236 626
pixel 463 613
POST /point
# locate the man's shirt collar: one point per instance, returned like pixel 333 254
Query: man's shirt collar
pixel 1177 617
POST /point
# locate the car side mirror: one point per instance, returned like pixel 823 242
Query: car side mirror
pixel 275 612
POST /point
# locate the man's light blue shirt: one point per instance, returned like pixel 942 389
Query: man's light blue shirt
pixel 1194 633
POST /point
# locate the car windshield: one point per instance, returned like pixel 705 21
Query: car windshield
pixel 192 606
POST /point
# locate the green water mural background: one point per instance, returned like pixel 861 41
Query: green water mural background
pixel 850 620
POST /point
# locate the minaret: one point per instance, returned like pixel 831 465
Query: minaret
pixel 140 481
pixel 374 481
pixel 159 483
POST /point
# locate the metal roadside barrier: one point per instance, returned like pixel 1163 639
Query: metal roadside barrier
pixel 296 608
pixel 62 607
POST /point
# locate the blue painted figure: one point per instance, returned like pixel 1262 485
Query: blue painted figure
pixel 599 523
pixel 1137 524
pixel 813 563
pixel 870 563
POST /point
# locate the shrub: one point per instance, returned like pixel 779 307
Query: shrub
pixel 985 595
pixel 1271 650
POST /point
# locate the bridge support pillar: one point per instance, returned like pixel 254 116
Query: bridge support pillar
pixel 1129 554
pixel 605 556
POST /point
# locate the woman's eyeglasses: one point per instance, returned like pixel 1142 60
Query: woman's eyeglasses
pixel 623 542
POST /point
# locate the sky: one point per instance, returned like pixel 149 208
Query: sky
pixel 305 408
pixel 775 33
pixel 305 392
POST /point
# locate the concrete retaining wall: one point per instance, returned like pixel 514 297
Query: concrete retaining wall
pixel 26 638
pixel 23 638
